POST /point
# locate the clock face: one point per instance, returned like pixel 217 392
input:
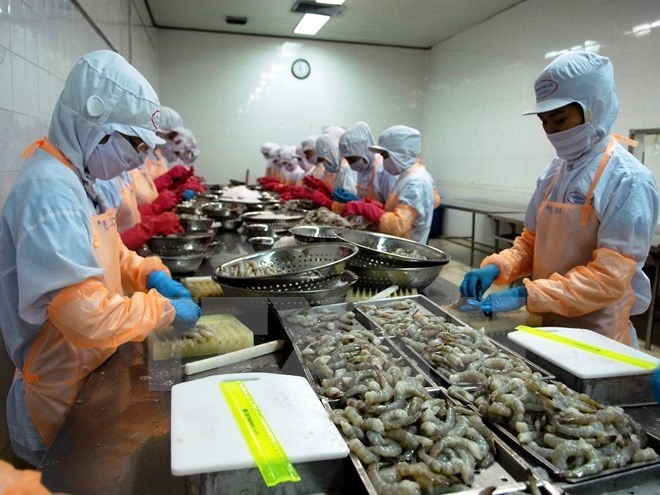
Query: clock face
pixel 300 68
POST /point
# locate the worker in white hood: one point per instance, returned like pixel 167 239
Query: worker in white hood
pixel 291 171
pixel 373 182
pixel 589 224
pixel 408 210
pixel 64 273
pixel 266 150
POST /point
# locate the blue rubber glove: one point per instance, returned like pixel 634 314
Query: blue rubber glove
pixel 476 282
pixel 507 300
pixel 187 314
pixel 655 384
pixel 188 194
pixel 160 281
pixel 344 196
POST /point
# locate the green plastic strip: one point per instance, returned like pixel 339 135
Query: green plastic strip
pixel 274 465
pixel 616 356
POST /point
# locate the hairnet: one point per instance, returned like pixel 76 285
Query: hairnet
pixel 356 141
pixel 579 77
pixel 327 147
pixel 334 130
pixel 287 157
pixel 102 94
pixel 402 143
pixel 170 120
pixel 268 147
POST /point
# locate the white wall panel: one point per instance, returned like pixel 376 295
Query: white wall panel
pixel 237 92
pixel 474 137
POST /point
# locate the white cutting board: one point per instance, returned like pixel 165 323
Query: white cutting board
pixel 580 363
pixel 206 438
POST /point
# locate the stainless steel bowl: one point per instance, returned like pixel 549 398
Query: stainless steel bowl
pixel 257 230
pixel 230 224
pixel 381 277
pixel 195 224
pixel 390 251
pixel 305 234
pixel 179 244
pixel 219 211
pixel 328 290
pixel 261 243
pixel 188 208
pixel 286 266
pixel 186 263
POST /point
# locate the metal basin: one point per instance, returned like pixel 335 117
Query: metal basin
pixel 186 263
pixel 196 224
pixel 219 211
pixel 180 244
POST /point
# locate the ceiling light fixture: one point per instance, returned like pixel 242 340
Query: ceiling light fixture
pixel 311 24
pixel 331 2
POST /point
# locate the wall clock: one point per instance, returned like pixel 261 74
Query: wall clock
pixel 300 68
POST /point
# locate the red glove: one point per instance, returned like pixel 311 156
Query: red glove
pixel 165 201
pixel 370 211
pixel 296 192
pixel 272 186
pixel 165 224
pixel 374 202
pixel 266 180
pixel 179 172
pixel 321 199
pixel 318 184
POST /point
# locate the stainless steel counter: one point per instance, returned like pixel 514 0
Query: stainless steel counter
pixel 116 439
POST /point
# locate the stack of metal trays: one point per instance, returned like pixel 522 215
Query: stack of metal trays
pixel 384 260
pixel 347 365
pixel 316 273
pixel 575 434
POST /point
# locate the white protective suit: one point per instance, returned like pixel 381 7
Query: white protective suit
pixel 292 172
pixel 308 144
pixel 373 182
pixel 171 124
pixel 624 207
pixel 337 172
pixel 266 150
pixel 51 234
pixel 410 204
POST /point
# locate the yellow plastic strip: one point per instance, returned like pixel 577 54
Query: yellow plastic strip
pixel 616 356
pixel 274 465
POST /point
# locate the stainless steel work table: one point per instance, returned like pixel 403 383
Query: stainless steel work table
pixel 116 439
pixel 477 206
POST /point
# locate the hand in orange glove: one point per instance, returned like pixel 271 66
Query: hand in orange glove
pixel 317 184
pixel 370 211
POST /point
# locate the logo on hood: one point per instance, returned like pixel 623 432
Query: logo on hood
pixel 576 198
pixel 155 119
pixel 545 88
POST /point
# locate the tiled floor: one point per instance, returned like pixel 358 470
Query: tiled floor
pixel 456 269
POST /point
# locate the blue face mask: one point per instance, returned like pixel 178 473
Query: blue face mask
pixel 110 159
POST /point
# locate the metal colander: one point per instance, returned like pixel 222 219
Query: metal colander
pixel 327 290
pixel 382 250
pixel 381 277
pixel 298 265
pixel 313 233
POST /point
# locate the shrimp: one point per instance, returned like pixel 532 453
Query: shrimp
pixel 405 487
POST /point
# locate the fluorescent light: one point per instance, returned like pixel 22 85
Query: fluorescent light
pixel 311 24
pixel 331 2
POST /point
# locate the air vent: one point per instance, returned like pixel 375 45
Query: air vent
pixel 306 7
pixel 232 19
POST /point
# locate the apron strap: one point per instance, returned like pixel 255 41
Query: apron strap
pixel 626 140
pixel 601 167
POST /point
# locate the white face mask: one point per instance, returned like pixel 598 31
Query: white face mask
pixel 360 165
pixel 575 142
pixel 169 151
pixel 391 167
pixel 110 159
pixel 329 167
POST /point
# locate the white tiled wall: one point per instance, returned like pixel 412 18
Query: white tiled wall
pixel 474 138
pixel 40 40
pixel 237 92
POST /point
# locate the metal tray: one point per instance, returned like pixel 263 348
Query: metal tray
pixel 509 471
pixel 653 441
pixel 426 305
